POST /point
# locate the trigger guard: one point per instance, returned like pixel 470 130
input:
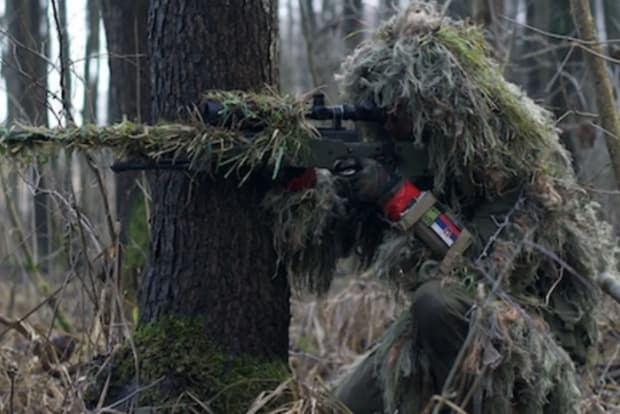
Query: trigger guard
pixel 349 172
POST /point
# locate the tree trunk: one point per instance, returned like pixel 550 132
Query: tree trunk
pixel 91 77
pixel 309 29
pixel 486 12
pixel 461 9
pixel 538 72
pixel 130 96
pixel 323 53
pixel 388 7
pixel 605 102
pixel 25 71
pixel 25 67
pixel 611 14
pixel 612 19
pixel 66 53
pixel 288 67
pixel 552 84
pixel 352 16
pixel 211 256
pixel 126 31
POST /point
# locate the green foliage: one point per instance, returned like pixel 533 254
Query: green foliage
pixel 177 355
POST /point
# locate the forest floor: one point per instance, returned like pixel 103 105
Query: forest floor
pixel 327 335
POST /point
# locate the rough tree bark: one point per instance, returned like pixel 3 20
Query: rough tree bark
pixel 211 257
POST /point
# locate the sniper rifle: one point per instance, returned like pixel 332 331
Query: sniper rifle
pixel 333 142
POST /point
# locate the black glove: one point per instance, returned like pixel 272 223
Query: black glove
pixel 366 180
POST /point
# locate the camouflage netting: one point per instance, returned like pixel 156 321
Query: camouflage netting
pixel 539 257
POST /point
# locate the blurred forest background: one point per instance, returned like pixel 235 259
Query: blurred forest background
pixel 82 61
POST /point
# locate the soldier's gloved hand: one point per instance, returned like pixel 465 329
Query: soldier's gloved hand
pixel 366 180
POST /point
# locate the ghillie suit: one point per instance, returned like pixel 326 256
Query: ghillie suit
pixel 498 163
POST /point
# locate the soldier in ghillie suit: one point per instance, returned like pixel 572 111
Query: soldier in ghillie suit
pixel 501 250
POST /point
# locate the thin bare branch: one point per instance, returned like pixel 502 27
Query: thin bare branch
pixel 66 100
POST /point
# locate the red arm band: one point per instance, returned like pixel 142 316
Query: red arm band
pixel 400 201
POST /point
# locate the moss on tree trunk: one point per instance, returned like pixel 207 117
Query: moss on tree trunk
pixel 178 365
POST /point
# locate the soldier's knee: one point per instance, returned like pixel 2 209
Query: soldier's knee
pixel 439 317
pixel 430 304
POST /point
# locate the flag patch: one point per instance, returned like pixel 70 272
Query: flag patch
pixel 442 226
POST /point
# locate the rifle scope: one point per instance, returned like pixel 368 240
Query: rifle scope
pixel 363 111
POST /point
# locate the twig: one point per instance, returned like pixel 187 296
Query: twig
pixel 609 285
pixel 104 392
pixel 554 286
pixel 444 10
pixel 131 395
pixel 32 266
pixel 66 102
pixel 496 283
pixel 560 261
pixel 33 310
pixel 443 400
pixel 560 69
pixel 202 404
pixel 104 193
pixel 500 228
pixel 608 365
pixel 605 281
pixel 18 326
pixel 12 372
pixel 558 36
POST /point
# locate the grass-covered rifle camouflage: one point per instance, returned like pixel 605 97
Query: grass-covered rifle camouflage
pixel 332 141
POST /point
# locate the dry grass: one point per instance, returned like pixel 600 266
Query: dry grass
pixel 326 335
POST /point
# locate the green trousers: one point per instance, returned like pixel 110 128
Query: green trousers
pixel 438 329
